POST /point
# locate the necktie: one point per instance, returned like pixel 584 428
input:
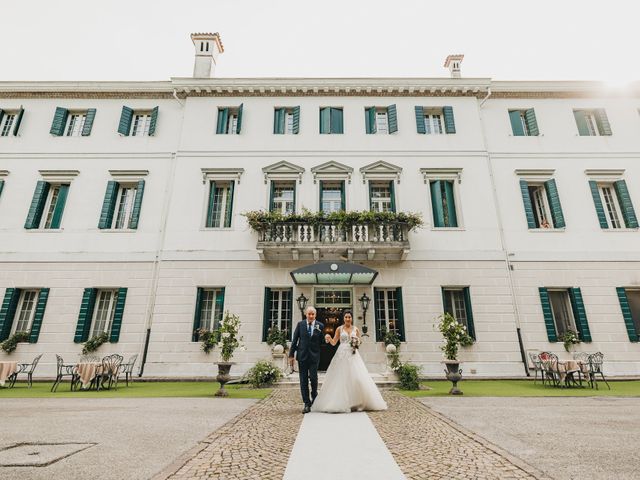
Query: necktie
pixel 309 329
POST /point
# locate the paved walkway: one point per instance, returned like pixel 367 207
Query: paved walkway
pixel 340 447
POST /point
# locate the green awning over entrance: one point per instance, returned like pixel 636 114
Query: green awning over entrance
pixel 334 273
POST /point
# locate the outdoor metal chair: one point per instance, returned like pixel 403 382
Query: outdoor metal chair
pixel 595 368
pixel 537 366
pixel 64 370
pixel 27 369
pixel 126 369
pixel 583 359
pixel 109 373
pixel 549 362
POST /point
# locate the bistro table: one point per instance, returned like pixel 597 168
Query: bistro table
pixel 6 370
pixel 87 371
pixel 566 369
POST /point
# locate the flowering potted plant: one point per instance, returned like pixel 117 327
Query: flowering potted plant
pixel 569 338
pixel 454 335
pixel 226 338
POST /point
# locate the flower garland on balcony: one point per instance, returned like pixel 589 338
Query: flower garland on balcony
pixel 259 220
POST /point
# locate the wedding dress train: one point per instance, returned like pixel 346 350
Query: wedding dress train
pixel 347 385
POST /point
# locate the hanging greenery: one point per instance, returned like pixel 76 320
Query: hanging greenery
pixel 93 343
pixel 259 220
pixel 11 343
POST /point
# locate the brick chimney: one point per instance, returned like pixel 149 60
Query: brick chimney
pixel 208 46
pixel 453 64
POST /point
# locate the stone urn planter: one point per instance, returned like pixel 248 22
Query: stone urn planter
pixel 223 377
pixel 454 375
pixel 277 349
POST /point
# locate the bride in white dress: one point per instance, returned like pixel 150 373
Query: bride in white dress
pixel 347 385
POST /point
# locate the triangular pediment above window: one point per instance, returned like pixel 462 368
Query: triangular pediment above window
pixel 332 169
pixel 282 169
pixel 380 169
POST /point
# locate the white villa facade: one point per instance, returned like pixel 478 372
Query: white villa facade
pixel 121 212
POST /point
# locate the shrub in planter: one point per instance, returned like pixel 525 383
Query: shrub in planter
pixel 94 343
pixel 263 374
pixel 11 343
pixel 275 336
pixel 408 376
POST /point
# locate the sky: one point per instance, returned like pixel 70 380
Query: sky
pixel 149 40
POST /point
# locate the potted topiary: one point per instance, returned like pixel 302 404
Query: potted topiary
pixel 277 339
pixel 455 335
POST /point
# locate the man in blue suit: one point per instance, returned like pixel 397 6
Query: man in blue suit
pixel 305 346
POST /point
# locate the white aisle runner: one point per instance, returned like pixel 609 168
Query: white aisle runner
pixel 340 447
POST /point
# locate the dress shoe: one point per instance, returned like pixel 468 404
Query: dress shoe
pixel 307 409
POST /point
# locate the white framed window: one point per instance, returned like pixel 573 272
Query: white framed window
pixel 611 205
pixel 562 311
pixel 540 203
pixel 592 126
pixel 523 123
pixel 433 122
pixel 124 206
pixel 6 125
pixel 220 204
pixel 381 196
pixel 104 311
pixel 382 121
pixel 280 313
pixel 26 311
pixel 288 122
pixel 75 124
pixel 283 200
pixel 233 124
pixel 456 305
pixel 53 207
pixel 388 312
pixel 211 308
pixel 140 124
pixel 331 196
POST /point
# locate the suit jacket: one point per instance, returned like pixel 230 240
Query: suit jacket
pixel 307 347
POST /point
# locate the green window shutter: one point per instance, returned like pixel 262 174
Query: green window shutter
pixel 223 117
pixel 295 188
pixel 154 121
pixel 343 197
pixel 108 205
pixel 446 302
pixel 580 314
pixel 266 321
pixel 516 123
pixel 370 120
pixel 126 117
pixel 378 300
pixel 554 203
pixel 626 314
pixel 436 203
pixel 16 125
pixel 325 120
pixel 37 205
pixel 278 121
pixel 452 219
pixel 59 208
pixel 624 199
pixel 272 192
pixel 39 314
pixel 88 122
pixel 449 121
pixel 392 191
pixel 471 329
pixel 1 115
pixel 528 206
pixel 595 194
pixel 211 203
pixel 219 307
pixel 400 310
pixel 581 122
pixel 83 327
pixel 229 211
pixel 336 121
pixel 59 121
pixel 116 325
pixel 296 120
pixel 137 205
pixel 532 123
pixel 370 196
pixel 320 192
pixel 604 127
pixel 552 334
pixel 392 117
pixel 1 186
pixel 8 311
pixel 197 316
pixel 420 120
pixel 239 124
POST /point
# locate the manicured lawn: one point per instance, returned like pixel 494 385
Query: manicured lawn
pixel 137 389
pixel 523 388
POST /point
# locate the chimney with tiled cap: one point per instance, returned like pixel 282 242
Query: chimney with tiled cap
pixel 453 64
pixel 208 46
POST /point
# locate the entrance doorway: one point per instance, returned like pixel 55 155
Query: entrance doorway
pixel 330 305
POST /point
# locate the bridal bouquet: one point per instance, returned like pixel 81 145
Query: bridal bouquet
pixel 355 344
